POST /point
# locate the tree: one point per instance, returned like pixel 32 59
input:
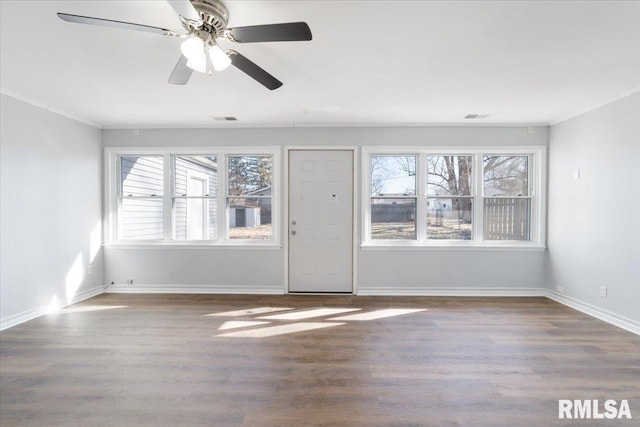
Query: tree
pixel 248 174
pixel 451 176
pixel 506 175
pixel 386 169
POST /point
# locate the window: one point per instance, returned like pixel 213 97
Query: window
pixel 249 197
pixel 140 201
pixel 192 197
pixel 393 197
pixel 195 186
pixel 461 196
pixel 507 200
pixel 449 197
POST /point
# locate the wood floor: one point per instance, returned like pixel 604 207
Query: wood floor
pixel 193 360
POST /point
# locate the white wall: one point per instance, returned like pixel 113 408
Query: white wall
pixel 51 205
pixel 378 271
pixel 594 214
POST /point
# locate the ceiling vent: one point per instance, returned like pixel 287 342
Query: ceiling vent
pixel 225 119
pixel 476 116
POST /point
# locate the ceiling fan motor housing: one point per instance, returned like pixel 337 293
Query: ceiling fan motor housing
pixel 214 16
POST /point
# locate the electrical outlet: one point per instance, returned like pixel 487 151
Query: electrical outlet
pixel 89 269
pixel 560 289
pixel 603 291
pixel 129 281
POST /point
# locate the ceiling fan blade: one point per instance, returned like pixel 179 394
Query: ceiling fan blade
pixel 185 9
pixel 253 70
pixel 286 32
pixel 181 73
pixel 115 24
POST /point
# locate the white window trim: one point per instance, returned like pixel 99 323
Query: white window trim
pixel 111 182
pixel 537 184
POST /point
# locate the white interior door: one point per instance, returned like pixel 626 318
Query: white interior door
pixel 320 221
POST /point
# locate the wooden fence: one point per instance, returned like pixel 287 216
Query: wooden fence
pixel 401 212
pixel 507 219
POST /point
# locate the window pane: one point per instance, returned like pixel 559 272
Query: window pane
pixel 249 175
pixel 449 218
pixel 506 175
pixel 195 209
pixel 393 218
pixel 393 175
pixel 195 218
pixel 507 219
pixel 191 172
pixel 449 175
pixel 250 217
pixel 140 219
pixel 141 175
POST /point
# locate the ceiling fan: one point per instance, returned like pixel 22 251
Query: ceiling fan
pixel 205 22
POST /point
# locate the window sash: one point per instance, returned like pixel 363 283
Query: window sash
pixel 414 184
pixel 463 232
pixel 399 219
pixel 507 221
pixel 472 189
pixel 529 157
pixel 146 232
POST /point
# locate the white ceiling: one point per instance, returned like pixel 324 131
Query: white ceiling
pixel 397 63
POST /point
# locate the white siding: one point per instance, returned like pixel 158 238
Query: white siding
pixel 182 166
pixel 141 211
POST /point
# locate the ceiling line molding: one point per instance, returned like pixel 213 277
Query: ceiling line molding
pixel 618 97
pixel 333 125
pixel 49 108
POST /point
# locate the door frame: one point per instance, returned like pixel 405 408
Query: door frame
pixel 354 203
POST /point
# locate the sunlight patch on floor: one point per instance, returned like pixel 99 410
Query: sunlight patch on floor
pixel 249 311
pixel 279 330
pixel 234 324
pixel 88 308
pixel 379 314
pixel 307 314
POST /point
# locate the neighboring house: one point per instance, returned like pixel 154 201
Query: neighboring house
pixel 251 210
pixel 244 216
pixel 195 184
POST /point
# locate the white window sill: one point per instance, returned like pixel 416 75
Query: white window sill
pixel 451 246
pixel 194 246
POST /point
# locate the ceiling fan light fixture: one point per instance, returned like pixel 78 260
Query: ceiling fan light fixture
pixel 205 22
pixel 219 58
pixel 193 50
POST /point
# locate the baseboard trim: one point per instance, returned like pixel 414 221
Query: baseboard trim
pixel 193 289
pixel 452 292
pixel 593 311
pixel 25 316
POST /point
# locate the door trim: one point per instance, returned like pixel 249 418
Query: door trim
pixel 354 204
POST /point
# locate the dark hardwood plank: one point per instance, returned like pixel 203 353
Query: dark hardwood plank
pixel 156 360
